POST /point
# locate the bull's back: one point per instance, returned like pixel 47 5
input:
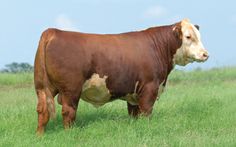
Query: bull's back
pixel 78 52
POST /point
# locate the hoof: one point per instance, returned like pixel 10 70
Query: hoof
pixel 40 132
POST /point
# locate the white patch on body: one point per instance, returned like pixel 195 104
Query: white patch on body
pixel 192 48
pixel 95 91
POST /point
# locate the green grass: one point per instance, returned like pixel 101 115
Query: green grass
pixel 198 108
pixel 7 79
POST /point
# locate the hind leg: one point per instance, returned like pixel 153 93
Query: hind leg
pixel 43 113
pixel 45 108
pixel 69 108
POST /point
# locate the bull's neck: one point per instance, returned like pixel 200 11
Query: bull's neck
pixel 165 44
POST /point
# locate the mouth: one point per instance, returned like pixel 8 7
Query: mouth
pixel 192 59
pixel 198 57
pixel 204 59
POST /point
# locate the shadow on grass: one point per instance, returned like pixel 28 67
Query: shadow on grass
pixel 84 119
pixel 195 110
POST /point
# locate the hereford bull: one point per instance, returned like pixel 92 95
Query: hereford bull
pixel 100 68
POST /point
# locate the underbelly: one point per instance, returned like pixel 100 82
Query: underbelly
pixel 95 92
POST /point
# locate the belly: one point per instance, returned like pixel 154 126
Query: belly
pixel 95 92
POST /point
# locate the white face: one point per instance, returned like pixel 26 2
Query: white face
pixel 192 48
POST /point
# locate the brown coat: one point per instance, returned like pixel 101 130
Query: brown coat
pixel 134 63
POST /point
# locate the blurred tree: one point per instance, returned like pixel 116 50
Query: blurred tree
pixel 18 67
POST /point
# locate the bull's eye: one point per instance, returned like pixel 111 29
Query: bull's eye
pixel 188 37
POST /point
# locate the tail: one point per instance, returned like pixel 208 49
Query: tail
pixel 40 73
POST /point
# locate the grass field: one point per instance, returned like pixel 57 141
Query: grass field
pixel 198 108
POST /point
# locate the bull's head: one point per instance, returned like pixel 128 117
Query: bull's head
pixel 192 48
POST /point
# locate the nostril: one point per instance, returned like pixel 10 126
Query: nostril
pixel 205 55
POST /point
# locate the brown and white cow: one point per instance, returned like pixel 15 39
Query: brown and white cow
pixel 99 68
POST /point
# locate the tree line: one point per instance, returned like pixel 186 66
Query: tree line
pixel 15 67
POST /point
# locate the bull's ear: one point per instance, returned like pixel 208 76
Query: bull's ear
pixel 197 26
pixel 177 30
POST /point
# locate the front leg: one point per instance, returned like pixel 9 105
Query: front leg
pixel 133 110
pixel 147 98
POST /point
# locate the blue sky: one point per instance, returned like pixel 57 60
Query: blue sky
pixel 22 22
